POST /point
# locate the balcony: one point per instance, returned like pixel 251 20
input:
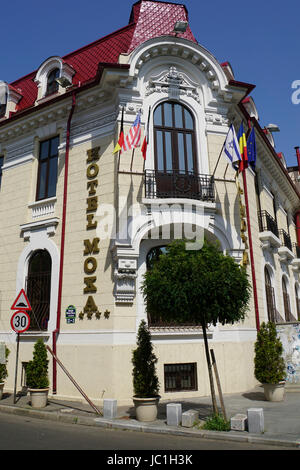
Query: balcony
pixel 296 250
pixel 269 233
pixel 285 239
pixel 176 184
pixel 286 250
pixel 296 260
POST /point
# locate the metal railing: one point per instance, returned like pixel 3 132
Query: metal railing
pixel 285 239
pixel 296 250
pixel 177 184
pixel 38 292
pixel 267 223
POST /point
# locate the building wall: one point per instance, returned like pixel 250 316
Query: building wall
pixel 97 348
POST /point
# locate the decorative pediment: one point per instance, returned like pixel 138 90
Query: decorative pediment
pixel 173 83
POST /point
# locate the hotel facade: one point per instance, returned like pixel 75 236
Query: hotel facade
pixel 81 224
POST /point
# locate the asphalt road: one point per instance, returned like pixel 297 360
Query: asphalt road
pixel 27 433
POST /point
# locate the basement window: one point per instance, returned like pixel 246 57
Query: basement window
pixel 180 377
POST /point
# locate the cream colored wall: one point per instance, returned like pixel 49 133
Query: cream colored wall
pixel 97 360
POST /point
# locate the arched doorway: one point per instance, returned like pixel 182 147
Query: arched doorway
pixel 38 288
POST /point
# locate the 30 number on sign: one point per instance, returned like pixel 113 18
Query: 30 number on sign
pixel 20 321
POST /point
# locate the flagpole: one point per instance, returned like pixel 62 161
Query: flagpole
pixel 251 250
pixel 132 155
pixel 226 170
pixel 218 159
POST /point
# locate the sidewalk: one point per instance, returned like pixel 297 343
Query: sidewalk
pixel 282 419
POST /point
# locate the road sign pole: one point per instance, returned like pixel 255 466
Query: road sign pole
pixel 16 372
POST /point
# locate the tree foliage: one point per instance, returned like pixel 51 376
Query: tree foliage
pixel 145 380
pixel 199 287
pixel 269 366
pixel 37 369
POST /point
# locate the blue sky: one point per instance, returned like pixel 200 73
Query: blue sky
pixel 259 39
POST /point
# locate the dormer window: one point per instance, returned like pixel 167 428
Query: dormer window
pixel 47 74
pixel 3 98
pixel 52 85
pixel 9 98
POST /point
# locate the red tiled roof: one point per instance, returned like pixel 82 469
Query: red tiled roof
pixel 148 19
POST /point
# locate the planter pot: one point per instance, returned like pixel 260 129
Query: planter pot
pixel 146 408
pixel 38 397
pixel 1 389
pixel 274 392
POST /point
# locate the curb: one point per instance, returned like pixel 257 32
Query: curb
pixel 238 436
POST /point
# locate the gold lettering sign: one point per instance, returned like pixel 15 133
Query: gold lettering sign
pixel 91 247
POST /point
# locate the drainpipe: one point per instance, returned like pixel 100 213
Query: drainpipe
pixel 297 221
pixel 62 243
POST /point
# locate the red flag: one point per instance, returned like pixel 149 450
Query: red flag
pixel 145 142
pixel 120 142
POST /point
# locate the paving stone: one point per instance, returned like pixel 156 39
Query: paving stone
pixel 109 408
pixel 174 414
pixel 238 422
pixel 189 418
pixel 255 420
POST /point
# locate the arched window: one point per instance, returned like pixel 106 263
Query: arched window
pixel 38 285
pixel 175 151
pixel 270 296
pixel 286 300
pixel 297 297
pixel 174 138
pixel 52 85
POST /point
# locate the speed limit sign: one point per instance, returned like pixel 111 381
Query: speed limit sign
pixel 20 321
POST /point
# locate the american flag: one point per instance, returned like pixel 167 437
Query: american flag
pixel 133 138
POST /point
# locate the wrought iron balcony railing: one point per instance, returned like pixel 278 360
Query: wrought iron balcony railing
pixel 296 250
pixel 267 223
pixel 285 239
pixel 177 184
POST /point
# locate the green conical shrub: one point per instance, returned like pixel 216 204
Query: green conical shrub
pixel 269 366
pixel 145 380
pixel 37 369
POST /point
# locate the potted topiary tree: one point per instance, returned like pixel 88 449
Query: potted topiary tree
pixel 145 380
pixel 269 366
pixel 3 372
pixel 37 376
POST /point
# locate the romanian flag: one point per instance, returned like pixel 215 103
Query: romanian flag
pixel 146 137
pixel 243 148
pixel 120 143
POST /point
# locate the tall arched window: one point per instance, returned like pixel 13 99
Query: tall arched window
pixel 175 151
pixel 286 300
pixel 270 296
pixel 38 286
pixel 52 85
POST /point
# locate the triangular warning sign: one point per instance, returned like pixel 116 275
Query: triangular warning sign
pixel 21 302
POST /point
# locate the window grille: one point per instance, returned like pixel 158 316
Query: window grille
pixel 180 377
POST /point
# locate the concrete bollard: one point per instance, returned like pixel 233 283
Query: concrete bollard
pixel 189 418
pixel 238 422
pixel 255 420
pixel 109 408
pixel 174 414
